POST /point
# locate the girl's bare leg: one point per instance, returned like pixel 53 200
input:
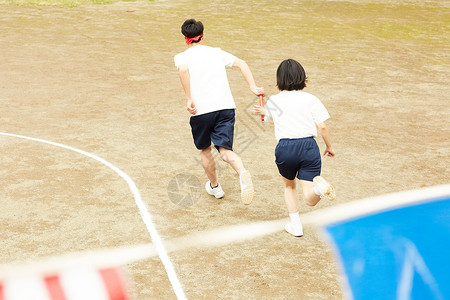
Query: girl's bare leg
pixel 290 195
pixel 310 197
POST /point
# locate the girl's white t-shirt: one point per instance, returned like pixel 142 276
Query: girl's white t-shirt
pixel 295 114
pixel 210 89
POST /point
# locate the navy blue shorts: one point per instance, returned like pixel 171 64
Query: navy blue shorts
pixel 216 126
pixel 298 158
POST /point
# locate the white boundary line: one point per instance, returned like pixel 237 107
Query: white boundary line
pixel 231 234
pixel 124 255
pixel 146 217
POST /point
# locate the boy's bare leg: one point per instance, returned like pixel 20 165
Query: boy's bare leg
pixel 209 165
pixel 310 197
pixel 232 159
pixel 290 195
pixel 245 179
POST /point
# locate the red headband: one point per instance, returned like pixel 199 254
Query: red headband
pixel 190 40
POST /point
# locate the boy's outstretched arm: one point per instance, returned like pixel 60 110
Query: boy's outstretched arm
pixel 186 83
pixel 245 70
pixel 327 139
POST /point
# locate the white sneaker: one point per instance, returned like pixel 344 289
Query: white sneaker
pixel 216 192
pixel 294 230
pixel 326 190
pixel 247 191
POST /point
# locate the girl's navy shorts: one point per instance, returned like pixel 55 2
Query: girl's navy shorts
pixel 298 158
pixel 216 126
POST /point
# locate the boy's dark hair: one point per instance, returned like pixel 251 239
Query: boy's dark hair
pixel 192 28
pixel 291 76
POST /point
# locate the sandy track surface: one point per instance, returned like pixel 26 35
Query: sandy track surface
pixel 102 79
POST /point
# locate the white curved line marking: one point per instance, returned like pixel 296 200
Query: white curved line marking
pixel 146 217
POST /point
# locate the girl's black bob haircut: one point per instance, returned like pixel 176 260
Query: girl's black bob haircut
pixel 192 28
pixel 291 76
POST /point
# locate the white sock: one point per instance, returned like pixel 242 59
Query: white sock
pixel 295 218
pixel 317 190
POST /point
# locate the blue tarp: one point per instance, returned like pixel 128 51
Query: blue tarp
pixel 403 253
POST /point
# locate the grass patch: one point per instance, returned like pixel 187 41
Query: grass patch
pixel 61 3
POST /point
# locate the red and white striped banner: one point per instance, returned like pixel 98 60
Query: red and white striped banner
pixel 83 283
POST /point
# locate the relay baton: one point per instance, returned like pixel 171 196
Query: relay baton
pixel 261 103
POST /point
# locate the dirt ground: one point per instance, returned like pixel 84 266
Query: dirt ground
pixel 102 79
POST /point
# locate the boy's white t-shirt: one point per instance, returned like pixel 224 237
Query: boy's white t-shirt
pixel 210 90
pixel 295 114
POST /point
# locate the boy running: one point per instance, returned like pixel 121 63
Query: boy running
pixel 296 115
pixel 211 104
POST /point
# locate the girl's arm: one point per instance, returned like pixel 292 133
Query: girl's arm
pixel 259 110
pixel 327 139
pixel 245 70
pixel 186 83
